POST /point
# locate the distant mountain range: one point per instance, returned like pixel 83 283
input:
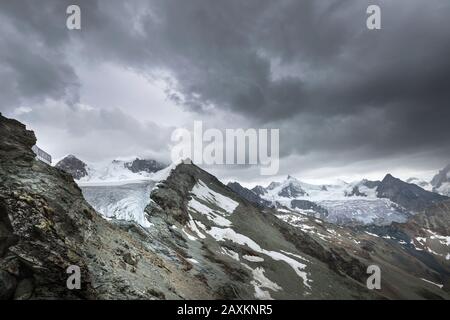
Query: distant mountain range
pixel 362 202
pixel 114 171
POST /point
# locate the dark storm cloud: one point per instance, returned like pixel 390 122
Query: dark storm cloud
pixel 309 67
pixel 33 66
pixel 305 64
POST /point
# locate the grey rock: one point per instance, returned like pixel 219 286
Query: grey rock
pixel 73 166
pixel 259 190
pixel 144 165
pixel 319 211
pixel 249 195
pixel 356 189
pixel 8 285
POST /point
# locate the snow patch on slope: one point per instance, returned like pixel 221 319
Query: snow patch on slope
pixel 202 192
pixel 229 234
pixel 261 281
pixel 217 219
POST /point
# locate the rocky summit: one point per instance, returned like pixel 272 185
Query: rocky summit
pixel 203 239
pixel 409 196
pixel 147 165
pixel 73 166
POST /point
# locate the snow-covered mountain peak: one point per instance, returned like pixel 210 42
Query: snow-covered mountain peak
pixel 117 171
pixel 73 166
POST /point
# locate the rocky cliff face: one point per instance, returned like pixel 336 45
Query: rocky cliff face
pixel 40 219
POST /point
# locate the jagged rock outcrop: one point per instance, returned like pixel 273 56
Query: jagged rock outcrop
pixel 41 237
pixel 356 190
pixel 73 166
pixel 259 190
pixel 144 165
pixel 355 193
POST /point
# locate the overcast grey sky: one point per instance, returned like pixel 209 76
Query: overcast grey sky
pixel 349 102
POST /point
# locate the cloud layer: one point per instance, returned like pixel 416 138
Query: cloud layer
pixel 340 93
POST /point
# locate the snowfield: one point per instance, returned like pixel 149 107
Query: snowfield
pixel 225 206
pixel 116 192
pixel 380 211
pixel 223 234
pixel 123 202
pixel 202 192
pixel 342 205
